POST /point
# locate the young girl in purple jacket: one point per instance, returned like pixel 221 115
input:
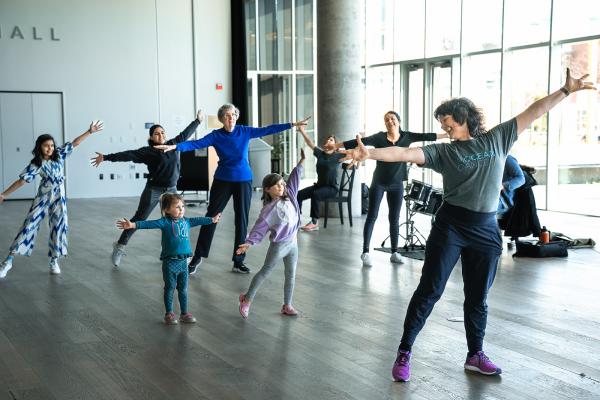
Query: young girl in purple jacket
pixel 280 216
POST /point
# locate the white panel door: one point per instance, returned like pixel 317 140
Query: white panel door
pixel 16 128
pixel 47 115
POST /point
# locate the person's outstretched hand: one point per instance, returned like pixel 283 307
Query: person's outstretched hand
pixel 242 249
pixel 200 116
pixel 216 218
pixel 96 126
pixel 98 159
pixel 165 147
pixel 301 123
pixel 125 224
pixel 356 155
pixel 576 84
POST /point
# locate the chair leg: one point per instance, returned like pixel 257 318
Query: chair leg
pixel 341 213
pixel 326 213
pixel 350 212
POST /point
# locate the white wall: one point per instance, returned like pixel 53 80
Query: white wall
pixel 125 62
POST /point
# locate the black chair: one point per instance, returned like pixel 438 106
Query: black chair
pixel 344 194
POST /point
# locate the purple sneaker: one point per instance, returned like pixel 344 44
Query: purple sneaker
pixel 479 362
pixel 401 369
pixel 244 306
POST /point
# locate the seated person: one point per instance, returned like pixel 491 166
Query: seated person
pixel 512 179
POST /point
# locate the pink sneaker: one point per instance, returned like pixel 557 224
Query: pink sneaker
pixel 187 318
pixel 244 306
pixel 288 309
pixel 479 362
pixel 310 227
pixel 170 318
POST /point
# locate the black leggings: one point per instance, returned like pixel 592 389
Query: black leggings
pixel 394 195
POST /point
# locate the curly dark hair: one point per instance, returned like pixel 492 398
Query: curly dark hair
pixel 37 150
pixel 268 181
pixel 463 110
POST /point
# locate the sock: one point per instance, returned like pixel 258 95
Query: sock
pixel 472 353
pixel 405 347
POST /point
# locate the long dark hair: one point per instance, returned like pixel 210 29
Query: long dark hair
pixel 268 181
pixel 37 150
pixel 463 110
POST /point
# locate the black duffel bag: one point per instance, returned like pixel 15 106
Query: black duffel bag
pixel 540 250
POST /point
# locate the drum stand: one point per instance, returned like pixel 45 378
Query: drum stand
pixel 413 239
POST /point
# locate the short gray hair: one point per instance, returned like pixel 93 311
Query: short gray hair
pixel 226 107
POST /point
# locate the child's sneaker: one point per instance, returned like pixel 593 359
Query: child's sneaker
pixel 479 362
pixel 6 266
pixel 187 318
pixel 54 267
pixel 396 258
pixel 240 268
pixel 170 318
pixel 288 309
pixel 401 369
pixel 366 260
pixel 244 306
pixel 310 227
pixel 117 253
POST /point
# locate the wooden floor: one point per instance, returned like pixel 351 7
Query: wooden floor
pixel 97 333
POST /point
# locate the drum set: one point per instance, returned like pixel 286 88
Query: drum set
pixel 419 198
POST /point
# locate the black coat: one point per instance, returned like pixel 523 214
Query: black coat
pixel 522 219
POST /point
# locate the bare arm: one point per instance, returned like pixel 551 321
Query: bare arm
pixel 542 106
pixel 307 140
pixel 94 127
pixel 387 154
pixel 442 135
pixel 15 185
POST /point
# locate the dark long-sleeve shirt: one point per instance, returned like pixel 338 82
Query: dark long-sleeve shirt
pixel 163 168
pixel 387 173
pixel 232 149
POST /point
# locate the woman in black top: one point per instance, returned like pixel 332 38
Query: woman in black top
pixel 163 173
pixel 388 177
pixel 326 185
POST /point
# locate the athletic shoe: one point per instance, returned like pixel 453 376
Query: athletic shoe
pixel 479 362
pixel 187 318
pixel 54 267
pixel 6 266
pixel 310 227
pixel 170 318
pixel 288 309
pixel 118 252
pixel 244 306
pixel 193 265
pixel 240 268
pixel 366 260
pixel 396 258
pixel 401 369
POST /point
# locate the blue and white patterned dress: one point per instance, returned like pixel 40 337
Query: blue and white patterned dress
pixel 50 199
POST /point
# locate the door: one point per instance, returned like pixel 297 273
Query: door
pixel 23 117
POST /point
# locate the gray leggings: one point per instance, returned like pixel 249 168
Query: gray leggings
pixel 288 251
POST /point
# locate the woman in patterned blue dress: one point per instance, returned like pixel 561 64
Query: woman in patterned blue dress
pixel 49 164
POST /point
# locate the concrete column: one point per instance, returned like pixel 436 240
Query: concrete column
pixel 339 88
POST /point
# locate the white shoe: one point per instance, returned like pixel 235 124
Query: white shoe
pixel 397 258
pixel 54 268
pixel 6 266
pixel 366 260
pixel 118 252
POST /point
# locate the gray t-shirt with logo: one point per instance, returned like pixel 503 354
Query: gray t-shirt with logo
pixel 472 169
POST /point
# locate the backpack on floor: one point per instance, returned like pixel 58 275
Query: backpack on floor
pixel 540 250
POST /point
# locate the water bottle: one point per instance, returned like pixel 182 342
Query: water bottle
pixel 544 235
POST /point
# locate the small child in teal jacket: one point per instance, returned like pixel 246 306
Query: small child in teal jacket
pixel 175 250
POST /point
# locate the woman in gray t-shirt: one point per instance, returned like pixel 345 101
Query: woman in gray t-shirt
pixel 465 226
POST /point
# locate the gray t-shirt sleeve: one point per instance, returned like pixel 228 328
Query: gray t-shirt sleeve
pixel 432 156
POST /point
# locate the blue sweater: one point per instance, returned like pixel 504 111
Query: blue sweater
pixel 232 149
pixel 175 234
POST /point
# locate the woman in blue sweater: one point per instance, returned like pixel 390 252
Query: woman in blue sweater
pixel 233 177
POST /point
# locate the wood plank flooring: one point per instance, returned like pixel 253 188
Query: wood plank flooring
pixel 96 332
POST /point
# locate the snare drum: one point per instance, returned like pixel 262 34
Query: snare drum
pixel 419 192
